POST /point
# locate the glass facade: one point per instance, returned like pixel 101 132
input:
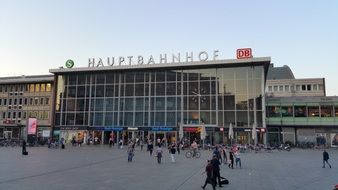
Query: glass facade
pixel 161 98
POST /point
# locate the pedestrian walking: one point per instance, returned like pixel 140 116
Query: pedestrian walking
pixel 121 144
pixel 159 152
pixel 216 170
pixel 151 147
pixel 130 152
pixel 231 156
pixel 238 159
pixel 326 158
pixel 172 151
pixel 178 148
pixel 24 144
pixel 110 142
pixel 225 157
pixel 210 177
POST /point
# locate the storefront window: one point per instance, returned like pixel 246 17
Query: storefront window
pixel 326 111
pixel 336 110
pixel 313 111
pixel 287 111
pixel 300 111
pixel 273 111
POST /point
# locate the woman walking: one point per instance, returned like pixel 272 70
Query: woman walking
pixel 159 152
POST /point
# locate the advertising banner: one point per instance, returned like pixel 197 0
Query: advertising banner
pixel 32 126
pixel 334 140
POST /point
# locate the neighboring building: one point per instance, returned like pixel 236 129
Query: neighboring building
pixel 302 119
pixel 154 100
pixel 282 83
pixel 21 98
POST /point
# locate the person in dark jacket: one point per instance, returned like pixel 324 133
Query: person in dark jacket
pixel 231 156
pixel 210 176
pixel 326 158
pixel 24 144
pixel 216 170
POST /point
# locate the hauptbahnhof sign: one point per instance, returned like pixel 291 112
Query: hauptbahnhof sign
pixel 162 58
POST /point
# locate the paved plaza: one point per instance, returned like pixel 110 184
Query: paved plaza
pixel 102 168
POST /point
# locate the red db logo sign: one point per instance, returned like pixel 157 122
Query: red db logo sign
pixel 244 53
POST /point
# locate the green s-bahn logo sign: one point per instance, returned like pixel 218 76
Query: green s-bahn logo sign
pixel 69 63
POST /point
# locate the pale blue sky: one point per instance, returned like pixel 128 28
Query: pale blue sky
pixel 38 35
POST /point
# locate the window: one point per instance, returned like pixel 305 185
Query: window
pixel 14 115
pixel 287 88
pixel 31 101
pixel 308 87
pixel 297 87
pixel 0 102
pixel 27 87
pixel 326 111
pixel 36 101
pixel 5 102
pixel 43 87
pixel 10 102
pixel 24 115
pixel 269 88
pixel 321 87
pixel 0 88
pixel 313 111
pixel 37 87
pixel 47 101
pixel 19 114
pixel 9 115
pixel 314 87
pixel 273 111
pixel 22 88
pixel 292 88
pixel 48 87
pixel 287 111
pixel 15 101
pixel 20 101
pixel 275 88
pixel 3 115
pixel 281 88
pixel 300 111
pixel 336 111
pixel 41 101
pixel 31 88
pixel 303 87
pixel 25 101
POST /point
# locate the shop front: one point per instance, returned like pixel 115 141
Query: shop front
pixel 78 133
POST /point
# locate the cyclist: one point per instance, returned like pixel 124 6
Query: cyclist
pixel 194 147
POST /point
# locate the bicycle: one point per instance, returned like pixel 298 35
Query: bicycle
pixel 192 153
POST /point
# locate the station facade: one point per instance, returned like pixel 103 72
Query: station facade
pixel 151 101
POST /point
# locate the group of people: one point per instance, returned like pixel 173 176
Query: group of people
pixel 221 154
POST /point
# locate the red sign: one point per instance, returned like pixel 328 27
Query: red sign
pixel 221 129
pixel 262 130
pixel 244 53
pixel 190 129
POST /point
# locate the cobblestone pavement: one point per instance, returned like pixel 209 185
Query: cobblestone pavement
pixel 101 168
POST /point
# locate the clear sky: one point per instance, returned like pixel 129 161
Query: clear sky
pixel 38 35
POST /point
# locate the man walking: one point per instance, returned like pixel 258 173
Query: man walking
pixel 216 170
pixel 210 176
pixel 326 158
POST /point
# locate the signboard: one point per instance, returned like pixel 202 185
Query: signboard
pixel 45 133
pixel 190 129
pixel 334 140
pixel 244 53
pixel 32 126
pixel 162 128
pixel 69 63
